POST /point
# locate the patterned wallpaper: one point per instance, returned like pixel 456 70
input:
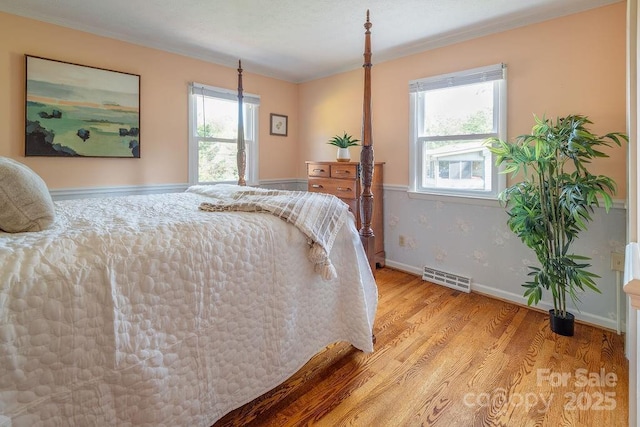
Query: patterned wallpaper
pixel 471 238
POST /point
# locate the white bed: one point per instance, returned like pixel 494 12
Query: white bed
pixel 144 310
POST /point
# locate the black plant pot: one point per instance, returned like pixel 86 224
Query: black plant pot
pixel 562 325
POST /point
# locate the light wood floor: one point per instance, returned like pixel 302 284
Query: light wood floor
pixel 452 359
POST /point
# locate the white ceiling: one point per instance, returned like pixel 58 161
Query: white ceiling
pixel 294 40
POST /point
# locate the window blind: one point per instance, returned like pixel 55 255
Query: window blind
pixel 476 75
pixel 214 92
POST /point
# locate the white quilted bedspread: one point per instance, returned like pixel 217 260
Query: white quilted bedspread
pixel 143 310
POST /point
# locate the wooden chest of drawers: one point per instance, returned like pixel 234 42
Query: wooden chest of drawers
pixel 342 179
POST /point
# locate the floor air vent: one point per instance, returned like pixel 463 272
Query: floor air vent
pixel 449 280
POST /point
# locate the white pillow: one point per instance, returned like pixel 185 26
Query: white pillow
pixel 25 202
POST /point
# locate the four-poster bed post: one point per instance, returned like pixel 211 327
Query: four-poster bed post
pixel 366 155
pixel 241 155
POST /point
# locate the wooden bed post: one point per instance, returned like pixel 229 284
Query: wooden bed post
pixel 241 155
pixel 366 156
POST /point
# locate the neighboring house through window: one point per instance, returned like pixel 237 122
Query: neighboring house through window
pixel 451 117
pixel 213 133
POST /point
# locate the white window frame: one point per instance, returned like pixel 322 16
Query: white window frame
pixel 496 73
pixel 251 126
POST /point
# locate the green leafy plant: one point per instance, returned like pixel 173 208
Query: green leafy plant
pixel 554 201
pixel 344 141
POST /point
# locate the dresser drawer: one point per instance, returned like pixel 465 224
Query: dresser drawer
pixel 343 188
pixel 319 170
pixel 348 171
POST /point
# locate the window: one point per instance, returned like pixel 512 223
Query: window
pixel 213 131
pixel 451 116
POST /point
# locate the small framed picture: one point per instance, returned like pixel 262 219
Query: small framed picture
pixel 278 125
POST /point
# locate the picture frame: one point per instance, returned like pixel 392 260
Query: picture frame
pixel 279 124
pixel 74 110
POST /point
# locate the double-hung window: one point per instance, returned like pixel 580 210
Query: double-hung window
pixel 213 134
pixel 451 117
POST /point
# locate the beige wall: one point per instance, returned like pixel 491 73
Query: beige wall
pixel 574 64
pixel 570 65
pixel 164 114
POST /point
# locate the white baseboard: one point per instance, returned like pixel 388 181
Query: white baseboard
pixel 403 267
pixel 515 298
pixel 544 306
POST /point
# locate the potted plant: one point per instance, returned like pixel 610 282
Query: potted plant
pixel 553 203
pixel 343 143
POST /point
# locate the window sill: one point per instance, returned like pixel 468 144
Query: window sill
pixel 466 199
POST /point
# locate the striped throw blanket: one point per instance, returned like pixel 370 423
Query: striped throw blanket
pixel 318 216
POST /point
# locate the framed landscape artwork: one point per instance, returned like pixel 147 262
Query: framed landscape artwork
pixel 79 111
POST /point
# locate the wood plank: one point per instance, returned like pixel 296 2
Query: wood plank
pixel 449 358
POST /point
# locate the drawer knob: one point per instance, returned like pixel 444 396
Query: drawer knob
pixel 318 170
pixel 343 189
pixel 316 186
